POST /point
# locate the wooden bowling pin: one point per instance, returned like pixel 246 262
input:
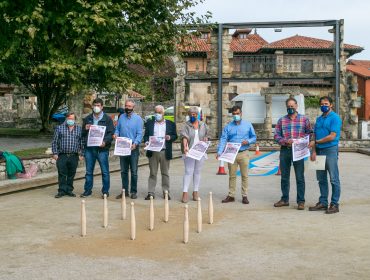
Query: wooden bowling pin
pixel 123 207
pixel 83 218
pixel 199 219
pixel 105 212
pixel 186 224
pixel 210 209
pixel 166 207
pixel 151 214
pixel 133 222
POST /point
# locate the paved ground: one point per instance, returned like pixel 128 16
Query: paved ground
pixel 40 235
pixel 12 144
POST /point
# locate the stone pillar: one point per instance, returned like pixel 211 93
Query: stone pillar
pixel 279 67
pixel 267 125
pixel 179 87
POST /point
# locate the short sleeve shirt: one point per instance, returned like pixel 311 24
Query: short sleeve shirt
pixel 325 125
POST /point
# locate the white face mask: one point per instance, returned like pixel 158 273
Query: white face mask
pixel 96 109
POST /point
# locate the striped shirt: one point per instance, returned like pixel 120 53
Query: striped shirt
pixel 67 141
pixel 287 128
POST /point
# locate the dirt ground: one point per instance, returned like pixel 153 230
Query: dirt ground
pixel 40 234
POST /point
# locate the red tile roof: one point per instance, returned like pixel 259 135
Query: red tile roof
pixel 254 42
pixel 251 44
pixel 134 94
pixel 362 69
pixel 303 42
pixel 195 44
pixel 363 63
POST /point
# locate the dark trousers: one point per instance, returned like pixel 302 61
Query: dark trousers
pixel 286 157
pixel 129 162
pixel 67 165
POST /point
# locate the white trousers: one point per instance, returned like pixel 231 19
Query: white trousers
pixel 192 171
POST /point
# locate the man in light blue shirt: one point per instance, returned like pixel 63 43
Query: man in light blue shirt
pixel 130 125
pixel 237 131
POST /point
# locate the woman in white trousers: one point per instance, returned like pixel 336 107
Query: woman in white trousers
pixel 193 131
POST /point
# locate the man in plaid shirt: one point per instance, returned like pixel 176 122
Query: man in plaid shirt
pixel 289 127
pixel 67 148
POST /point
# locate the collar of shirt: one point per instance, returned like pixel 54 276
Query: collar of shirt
pixel 160 129
pixel 99 117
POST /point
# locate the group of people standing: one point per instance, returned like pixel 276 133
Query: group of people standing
pixel 69 146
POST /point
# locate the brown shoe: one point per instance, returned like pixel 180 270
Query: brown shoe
pixel 318 207
pixel 195 196
pixel 245 200
pixel 185 197
pixel 300 206
pixel 332 209
pixel 281 203
pixel 228 199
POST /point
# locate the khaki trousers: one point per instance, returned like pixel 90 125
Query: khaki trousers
pixel 158 158
pixel 241 160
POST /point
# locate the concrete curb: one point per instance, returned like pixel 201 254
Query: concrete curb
pixel 51 178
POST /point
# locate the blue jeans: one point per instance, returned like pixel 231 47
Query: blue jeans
pixel 129 162
pixel 286 158
pixel 331 166
pixel 91 155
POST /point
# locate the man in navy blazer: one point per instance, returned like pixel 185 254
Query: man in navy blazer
pixel 159 127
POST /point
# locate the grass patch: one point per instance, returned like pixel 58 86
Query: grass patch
pixel 31 152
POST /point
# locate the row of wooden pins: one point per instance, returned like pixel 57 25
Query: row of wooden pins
pixel 151 215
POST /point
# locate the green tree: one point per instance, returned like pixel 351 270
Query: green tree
pixel 57 47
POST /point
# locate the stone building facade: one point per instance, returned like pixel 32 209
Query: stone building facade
pixel 251 64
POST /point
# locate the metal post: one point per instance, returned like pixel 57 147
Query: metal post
pixel 219 88
pixel 337 66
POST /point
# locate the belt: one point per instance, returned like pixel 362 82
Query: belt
pixel 69 154
pixel 286 148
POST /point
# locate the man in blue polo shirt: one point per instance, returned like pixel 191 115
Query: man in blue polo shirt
pixel 237 131
pixel 327 133
pixel 130 125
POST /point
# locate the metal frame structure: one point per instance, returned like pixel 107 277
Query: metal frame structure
pixel 275 24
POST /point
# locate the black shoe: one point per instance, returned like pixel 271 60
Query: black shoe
pixel 70 194
pixel 85 194
pixel 133 196
pixel 59 195
pixel 104 194
pixel 164 196
pixel 148 196
pixel 120 195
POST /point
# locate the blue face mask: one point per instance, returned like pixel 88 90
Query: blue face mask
pixel 192 119
pixel 236 118
pixel 70 122
pixel 325 108
pixel 290 111
pixel 158 117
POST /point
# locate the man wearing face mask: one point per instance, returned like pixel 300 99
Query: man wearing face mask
pixel 161 128
pixel 130 125
pixel 289 127
pixel 237 131
pixel 327 134
pixel 100 154
pixel 67 148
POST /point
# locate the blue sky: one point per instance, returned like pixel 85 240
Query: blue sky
pixel 356 15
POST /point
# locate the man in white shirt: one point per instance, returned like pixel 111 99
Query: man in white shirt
pixel 159 127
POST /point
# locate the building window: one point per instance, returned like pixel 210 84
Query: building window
pixel 243 36
pixel 306 66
